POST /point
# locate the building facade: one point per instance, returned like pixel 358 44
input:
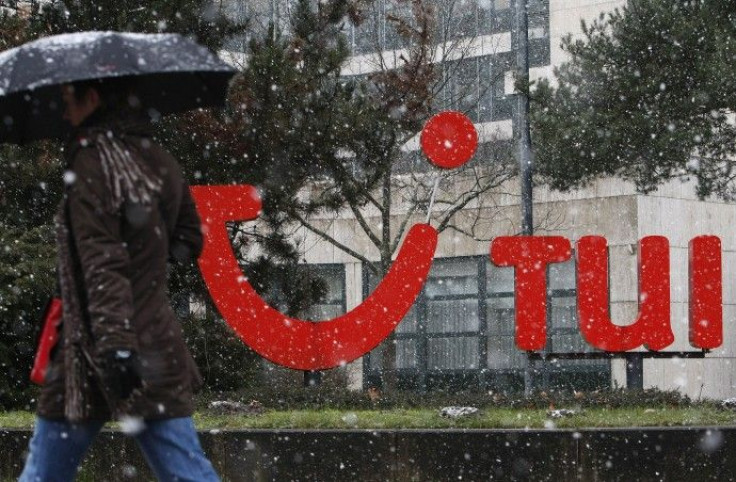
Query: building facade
pixel 460 332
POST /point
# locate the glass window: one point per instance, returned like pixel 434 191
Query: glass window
pixel 563 334
pixel 539 42
pixel 536 6
pixel 561 276
pixel 562 309
pixel 453 316
pixel 494 16
pixel 443 331
pixel 366 37
pixel 562 312
pixel 438 286
pixel 442 99
pixel 501 346
pixel 500 279
pixel 501 315
pixel 441 15
pixel 453 353
pixel 455 267
pixel 452 296
pixel 539 54
pixel 332 303
pixel 410 322
pixel 406 354
pixel 396 13
pixel 461 331
pixel 463 21
pixel 503 354
pixel 493 103
pixel 465 85
pixel 375 359
pixel 502 351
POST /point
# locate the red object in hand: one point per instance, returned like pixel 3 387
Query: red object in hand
pixel 49 337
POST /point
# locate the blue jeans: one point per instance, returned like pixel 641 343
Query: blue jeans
pixel 171 448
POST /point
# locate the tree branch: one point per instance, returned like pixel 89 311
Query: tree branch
pixel 402 227
pixel 365 226
pixel 323 235
pixel 465 200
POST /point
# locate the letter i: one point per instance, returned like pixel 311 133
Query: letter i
pixel 706 292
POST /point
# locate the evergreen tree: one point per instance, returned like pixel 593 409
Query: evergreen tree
pixel 27 277
pixel 30 187
pixel 319 144
pixel 647 95
pixel 290 114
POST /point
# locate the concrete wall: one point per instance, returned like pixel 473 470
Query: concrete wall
pixel 675 454
pixel 674 211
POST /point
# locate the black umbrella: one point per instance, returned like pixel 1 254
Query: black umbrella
pixel 172 74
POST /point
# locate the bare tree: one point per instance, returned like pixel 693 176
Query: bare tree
pixel 410 82
pixel 411 72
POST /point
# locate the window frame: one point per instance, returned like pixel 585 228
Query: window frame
pixel 421 376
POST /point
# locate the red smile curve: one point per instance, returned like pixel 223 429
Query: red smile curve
pixel 291 342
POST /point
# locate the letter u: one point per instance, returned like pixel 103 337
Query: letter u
pixel 652 327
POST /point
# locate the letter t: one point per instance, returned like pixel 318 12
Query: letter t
pixel 530 255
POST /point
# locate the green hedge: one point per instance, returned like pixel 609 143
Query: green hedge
pixel 298 397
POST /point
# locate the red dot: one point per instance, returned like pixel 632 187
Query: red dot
pixel 449 139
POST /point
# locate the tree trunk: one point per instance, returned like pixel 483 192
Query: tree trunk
pixel 389 375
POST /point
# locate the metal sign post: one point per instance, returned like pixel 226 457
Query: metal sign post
pixel 524 142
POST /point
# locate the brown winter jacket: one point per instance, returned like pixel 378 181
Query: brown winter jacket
pixel 120 274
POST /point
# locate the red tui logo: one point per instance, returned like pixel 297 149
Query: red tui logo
pixel 449 140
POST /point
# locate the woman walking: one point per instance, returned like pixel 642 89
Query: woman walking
pixel 126 211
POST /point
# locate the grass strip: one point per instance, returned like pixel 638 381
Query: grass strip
pixel 490 418
pixel 430 419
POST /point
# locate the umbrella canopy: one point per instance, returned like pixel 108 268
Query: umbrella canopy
pixel 171 73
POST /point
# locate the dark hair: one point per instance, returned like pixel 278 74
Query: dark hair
pixel 116 93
